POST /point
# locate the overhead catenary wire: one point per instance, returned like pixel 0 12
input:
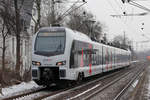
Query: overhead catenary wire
pixel 124 21
pixel 130 28
pixel 112 7
pixel 119 5
pixel 69 8
pixel 132 14
pixel 121 9
pixel 139 6
pixel 72 10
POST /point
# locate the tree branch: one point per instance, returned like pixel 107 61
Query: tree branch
pixel 22 2
pixel 32 17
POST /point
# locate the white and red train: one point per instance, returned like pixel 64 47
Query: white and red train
pixel 61 54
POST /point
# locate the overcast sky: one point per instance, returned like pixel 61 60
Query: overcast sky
pixel 132 25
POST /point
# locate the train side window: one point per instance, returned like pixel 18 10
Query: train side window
pixel 72 55
pixel 81 54
pixel 75 51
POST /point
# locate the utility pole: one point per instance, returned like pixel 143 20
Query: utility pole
pixel 124 39
pixel 91 28
pixel 91 23
pixel 105 37
pixel 136 46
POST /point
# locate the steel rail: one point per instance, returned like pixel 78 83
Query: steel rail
pixel 128 85
pixel 32 91
pixel 84 84
pixel 106 86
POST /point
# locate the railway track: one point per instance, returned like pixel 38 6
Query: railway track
pixel 74 88
pixel 71 93
pixel 136 77
pixel 74 92
pixel 41 94
pixel 108 86
pixel 25 93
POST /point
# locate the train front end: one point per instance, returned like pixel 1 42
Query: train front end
pixel 48 58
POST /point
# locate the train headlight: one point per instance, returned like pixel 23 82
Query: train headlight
pixel 61 63
pixel 36 63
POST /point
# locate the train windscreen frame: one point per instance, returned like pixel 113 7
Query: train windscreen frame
pixel 50 43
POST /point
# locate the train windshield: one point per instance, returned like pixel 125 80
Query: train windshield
pixel 50 43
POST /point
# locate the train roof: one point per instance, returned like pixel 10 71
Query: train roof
pixel 76 35
pixel 61 29
pixel 80 36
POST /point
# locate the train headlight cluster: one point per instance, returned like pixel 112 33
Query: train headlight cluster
pixel 36 63
pixel 61 63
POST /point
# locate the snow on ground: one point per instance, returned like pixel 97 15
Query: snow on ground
pixel 17 89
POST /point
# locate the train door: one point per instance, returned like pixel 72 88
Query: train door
pixel 72 55
pixel 113 51
pixel 101 56
pixel 110 58
pixel 115 58
pixel 103 59
pixel 106 59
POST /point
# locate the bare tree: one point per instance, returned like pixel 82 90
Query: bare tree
pixel 17 7
pixel 5 31
pixel 97 30
pixel 52 11
pixel 4 34
pixel 121 41
pixel 83 21
pixel 37 21
pixel 77 20
pixel 13 22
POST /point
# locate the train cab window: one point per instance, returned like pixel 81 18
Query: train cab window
pixel 50 43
